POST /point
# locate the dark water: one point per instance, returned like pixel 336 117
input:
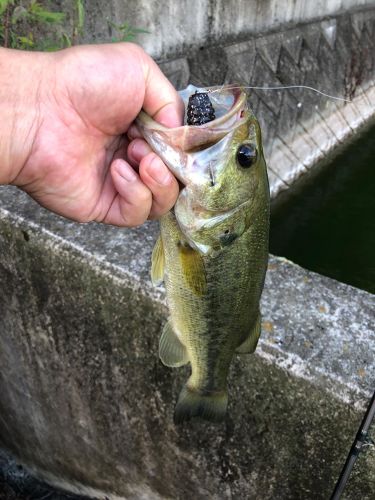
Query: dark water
pixel 327 224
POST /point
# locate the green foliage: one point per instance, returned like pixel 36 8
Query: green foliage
pixel 34 25
pixel 79 20
pixel 23 24
pixel 25 42
pixel 125 32
pixel 80 15
pixel 37 13
pixel 4 4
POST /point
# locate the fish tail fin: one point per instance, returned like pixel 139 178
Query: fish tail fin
pixel 193 403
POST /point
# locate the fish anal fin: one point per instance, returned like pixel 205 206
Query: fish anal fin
pixel 157 262
pixel 250 343
pixel 172 352
pixel 193 269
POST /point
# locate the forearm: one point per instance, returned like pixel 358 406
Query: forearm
pixel 21 75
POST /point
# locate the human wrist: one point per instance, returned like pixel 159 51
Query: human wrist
pixel 21 76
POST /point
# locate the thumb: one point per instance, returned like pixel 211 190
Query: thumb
pixel 161 100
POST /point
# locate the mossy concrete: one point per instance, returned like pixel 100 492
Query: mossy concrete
pixel 86 404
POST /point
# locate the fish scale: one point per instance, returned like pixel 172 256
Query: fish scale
pixel 212 258
pixel 227 311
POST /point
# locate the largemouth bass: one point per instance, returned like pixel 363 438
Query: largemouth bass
pixel 213 248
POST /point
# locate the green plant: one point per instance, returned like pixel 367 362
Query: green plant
pixel 22 24
pixel 124 32
pixel 34 25
pixel 78 20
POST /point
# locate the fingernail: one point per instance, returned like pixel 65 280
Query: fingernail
pixel 133 132
pixel 170 118
pixel 159 172
pixel 139 149
pixel 126 171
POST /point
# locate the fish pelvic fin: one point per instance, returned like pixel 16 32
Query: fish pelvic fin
pixel 172 351
pixel 157 263
pixel 250 343
pixel 194 403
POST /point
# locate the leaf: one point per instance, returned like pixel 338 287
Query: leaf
pixel 18 13
pixel 125 32
pixel 141 30
pixel 48 45
pixel 80 15
pixel 52 48
pixel 38 13
pixel 26 41
pixel 128 37
pixel 4 4
pixel 66 41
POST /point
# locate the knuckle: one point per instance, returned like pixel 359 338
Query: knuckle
pixel 136 213
pixel 132 218
pixel 168 198
pixel 144 198
pixel 83 218
pixel 134 223
pixel 160 208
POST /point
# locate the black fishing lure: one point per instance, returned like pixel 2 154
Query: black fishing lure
pixel 200 109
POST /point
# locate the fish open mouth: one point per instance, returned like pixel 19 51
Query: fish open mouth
pixel 225 100
pixel 174 145
pixel 228 103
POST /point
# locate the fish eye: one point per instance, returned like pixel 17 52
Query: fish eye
pixel 246 155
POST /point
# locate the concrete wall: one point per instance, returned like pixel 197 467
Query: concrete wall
pixel 86 403
pixel 175 26
pixel 299 127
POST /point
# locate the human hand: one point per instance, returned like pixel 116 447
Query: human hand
pixel 67 146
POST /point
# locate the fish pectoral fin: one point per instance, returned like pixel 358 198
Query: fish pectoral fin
pixel 172 351
pixel 193 269
pixel 157 262
pixel 250 344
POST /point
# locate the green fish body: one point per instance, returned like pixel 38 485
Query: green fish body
pixel 213 248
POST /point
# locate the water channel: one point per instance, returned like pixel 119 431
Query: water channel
pixel 326 223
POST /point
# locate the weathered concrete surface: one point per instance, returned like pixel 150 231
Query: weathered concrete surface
pixel 174 26
pixel 16 483
pixel 300 127
pixel 85 402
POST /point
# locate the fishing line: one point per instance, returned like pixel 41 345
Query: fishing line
pixel 282 87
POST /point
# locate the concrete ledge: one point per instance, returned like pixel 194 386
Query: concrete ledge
pixel 86 404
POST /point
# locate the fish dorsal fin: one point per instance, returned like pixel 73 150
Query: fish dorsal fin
pixel 171 350
pixel 157 262
pixel 250 344
pixel 193 269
